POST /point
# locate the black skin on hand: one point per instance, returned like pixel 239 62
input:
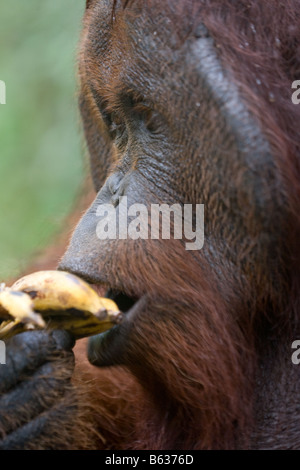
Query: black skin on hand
pixel 35 382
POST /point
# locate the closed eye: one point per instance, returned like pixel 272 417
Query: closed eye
pixel 128 108
pixel 113 119
pixel 117 129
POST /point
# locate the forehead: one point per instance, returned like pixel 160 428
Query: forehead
pixel 108 20
pixel 128 45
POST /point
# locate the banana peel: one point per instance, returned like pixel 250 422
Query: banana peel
pixel 55 300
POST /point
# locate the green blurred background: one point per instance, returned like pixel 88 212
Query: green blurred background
pixel 41 164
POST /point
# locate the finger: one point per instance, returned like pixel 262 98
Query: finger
pixel 35 395
pixel 63 339
pixel 35 433
pixel 28 351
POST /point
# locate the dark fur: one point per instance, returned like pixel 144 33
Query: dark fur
pixel 206 362
pixel 211 349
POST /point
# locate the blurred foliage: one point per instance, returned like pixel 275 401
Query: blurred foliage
pixel 40 146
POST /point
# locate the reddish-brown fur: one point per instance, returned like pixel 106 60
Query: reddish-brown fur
pixel 206 369
pixel 206 362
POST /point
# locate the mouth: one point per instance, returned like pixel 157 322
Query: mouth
pixel 126 303
pixel 108 348
pixel 113 347
pixel 123 301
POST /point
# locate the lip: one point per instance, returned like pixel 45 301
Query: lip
pixel 109 348
pixel 112 347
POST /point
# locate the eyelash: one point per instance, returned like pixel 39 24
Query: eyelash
pixel 116 124
pixel 152 119
pixel 115 127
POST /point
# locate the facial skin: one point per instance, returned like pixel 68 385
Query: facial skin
pixel 185 102
pixel 166 122
pixel 172 129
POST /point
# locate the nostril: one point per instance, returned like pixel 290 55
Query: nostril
pixel 114 183
pixel 115 199
pixel 113 189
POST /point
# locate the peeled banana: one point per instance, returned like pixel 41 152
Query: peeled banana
pixel 55 299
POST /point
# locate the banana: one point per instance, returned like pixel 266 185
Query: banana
pixel 55 299
pixel 20 307
pixel 58 290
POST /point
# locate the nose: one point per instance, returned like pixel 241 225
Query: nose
pixel 117 185
pixel 83 255
pixel 113 184
pixel 87 255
